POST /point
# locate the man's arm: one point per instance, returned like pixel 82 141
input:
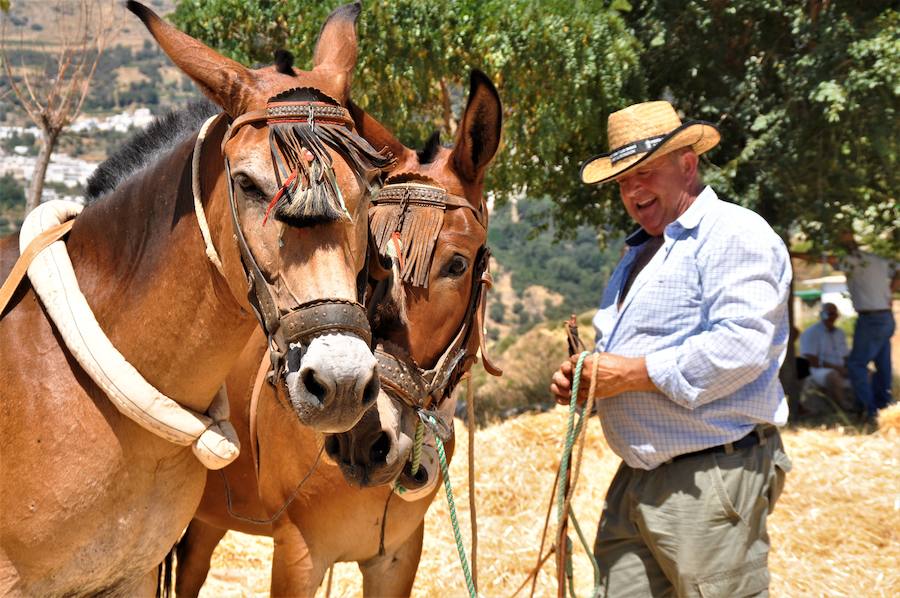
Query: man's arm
pixel 745 291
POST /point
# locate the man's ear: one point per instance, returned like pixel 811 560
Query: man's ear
pixel 689 162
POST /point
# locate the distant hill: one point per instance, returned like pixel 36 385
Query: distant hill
pixel 538 277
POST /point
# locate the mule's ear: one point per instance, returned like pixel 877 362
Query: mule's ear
pixel 336 48
pixel 478 136
pixel 378 135
pixel 226 82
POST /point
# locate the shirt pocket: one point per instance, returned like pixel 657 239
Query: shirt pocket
pixel 669 304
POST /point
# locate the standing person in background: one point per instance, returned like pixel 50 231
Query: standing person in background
pixel 691 333
pixel 871 280
pixel 824 345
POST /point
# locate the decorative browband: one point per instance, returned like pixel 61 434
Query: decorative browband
pixel 308 111
pixel 404 193
pixel 638 147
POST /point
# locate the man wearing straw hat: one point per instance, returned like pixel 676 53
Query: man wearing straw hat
pixel 691 332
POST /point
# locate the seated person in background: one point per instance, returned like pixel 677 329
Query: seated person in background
pixel 825 347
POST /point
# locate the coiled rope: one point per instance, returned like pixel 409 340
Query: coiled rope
pixel 564 498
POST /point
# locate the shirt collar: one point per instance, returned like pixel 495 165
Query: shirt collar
pixel 696 211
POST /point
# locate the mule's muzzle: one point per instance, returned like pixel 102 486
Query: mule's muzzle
pixel 370 454
pixel 331 382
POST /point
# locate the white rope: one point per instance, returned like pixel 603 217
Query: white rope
pixel 198 205
pixel 214 440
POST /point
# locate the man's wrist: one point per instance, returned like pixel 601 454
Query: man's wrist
pixel 639 377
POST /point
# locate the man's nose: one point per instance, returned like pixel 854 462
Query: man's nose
pixel 627 186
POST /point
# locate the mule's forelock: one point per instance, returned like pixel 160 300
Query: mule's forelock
pixel 430 151
pixel 389 314
pixel 300 150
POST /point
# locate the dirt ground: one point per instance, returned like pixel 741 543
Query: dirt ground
pixel 835 532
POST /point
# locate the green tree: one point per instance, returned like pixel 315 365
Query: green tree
pixel 806 95
pixel 559 66
pixel 12 193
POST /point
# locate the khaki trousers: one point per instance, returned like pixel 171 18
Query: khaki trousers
pixel 695 526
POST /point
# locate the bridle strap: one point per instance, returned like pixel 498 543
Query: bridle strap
pixel 285 112
pixel 258 383
pixel 315 318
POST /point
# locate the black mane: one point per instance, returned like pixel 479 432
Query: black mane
pixel 428 153
pixel 147 146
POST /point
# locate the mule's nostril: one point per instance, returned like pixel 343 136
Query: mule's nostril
pixel 370 392
pixel 314 386
pixel 380 448
pixel 332 446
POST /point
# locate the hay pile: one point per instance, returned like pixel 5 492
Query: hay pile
pixel 835 532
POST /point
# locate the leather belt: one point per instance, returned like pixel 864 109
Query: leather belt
pixel 757 436
pixel 869 312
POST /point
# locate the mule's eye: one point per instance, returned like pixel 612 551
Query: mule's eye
pixel 247 185
pixel 457 266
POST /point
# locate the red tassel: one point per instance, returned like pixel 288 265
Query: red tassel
pixel 395 239
pixel 278 195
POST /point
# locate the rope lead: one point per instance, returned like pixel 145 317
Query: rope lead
pixel 563 506
pixel 445 473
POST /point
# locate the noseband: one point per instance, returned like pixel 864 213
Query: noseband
pixel 420 389
pixel 312 125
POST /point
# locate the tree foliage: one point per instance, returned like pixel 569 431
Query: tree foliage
pixel 559 66
pixel 806 95
pixel 805 92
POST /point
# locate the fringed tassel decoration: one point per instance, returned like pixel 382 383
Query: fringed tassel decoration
pixel 421 226
pixel 314 194
pixel 418 234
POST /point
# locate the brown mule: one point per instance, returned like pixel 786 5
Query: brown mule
pixel 330 519
pixel 90 502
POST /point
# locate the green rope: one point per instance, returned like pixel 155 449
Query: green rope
pixel 417 447
pixel 572 431
pixel 456 534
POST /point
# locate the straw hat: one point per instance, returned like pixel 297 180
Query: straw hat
pixel 642 131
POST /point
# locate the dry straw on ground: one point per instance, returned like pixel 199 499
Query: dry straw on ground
pixel 835 531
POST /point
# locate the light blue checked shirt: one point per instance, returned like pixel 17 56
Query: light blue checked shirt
pixel 709 313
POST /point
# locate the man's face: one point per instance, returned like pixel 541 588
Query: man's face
pixel 657 192
pixel 829 315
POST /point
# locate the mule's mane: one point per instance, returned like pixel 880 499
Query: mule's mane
pixel 148 146
pixel 429 152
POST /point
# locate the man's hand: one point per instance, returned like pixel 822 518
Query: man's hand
pixel 615 375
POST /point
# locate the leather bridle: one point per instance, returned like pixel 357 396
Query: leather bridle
pixel 298 326
pixel 425 389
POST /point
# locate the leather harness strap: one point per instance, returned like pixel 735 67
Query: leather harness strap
pixel 261 374
pixel 40 242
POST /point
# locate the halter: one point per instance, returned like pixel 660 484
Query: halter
pixel 420 389
pixel 310 125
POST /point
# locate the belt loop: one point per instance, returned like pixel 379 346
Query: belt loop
pixel 729 448
pixel 761 433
